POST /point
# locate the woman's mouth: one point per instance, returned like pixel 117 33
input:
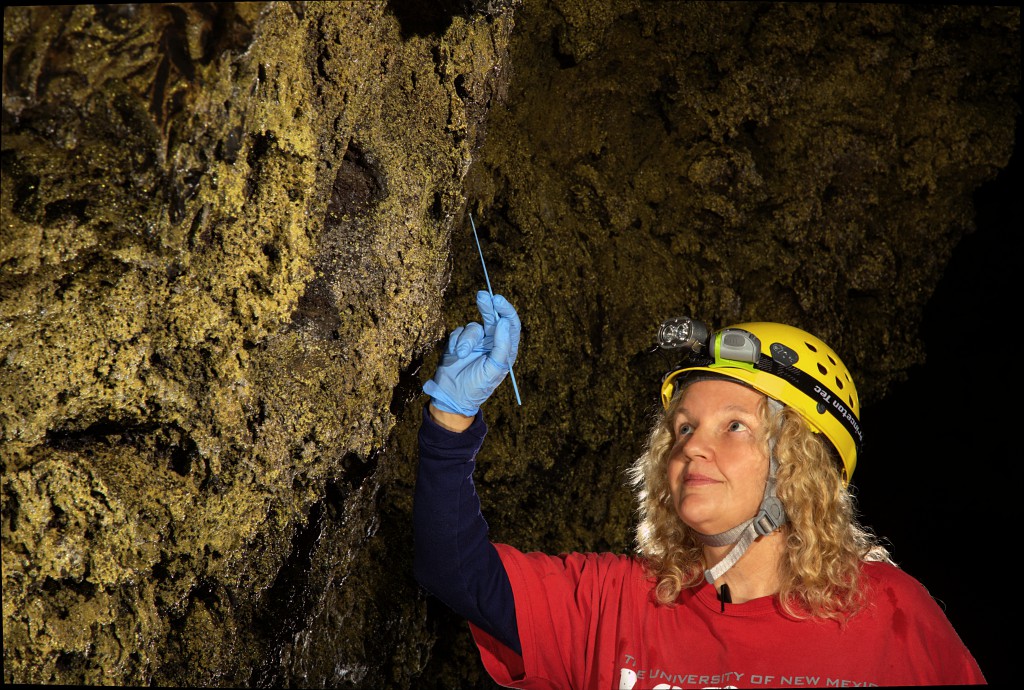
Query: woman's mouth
pixel 696 479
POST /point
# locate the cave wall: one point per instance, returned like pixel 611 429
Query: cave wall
pixel 234 235
pixel 224 239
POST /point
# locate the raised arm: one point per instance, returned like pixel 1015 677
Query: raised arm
pixel 454 560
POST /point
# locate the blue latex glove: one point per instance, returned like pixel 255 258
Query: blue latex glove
pixel 477 359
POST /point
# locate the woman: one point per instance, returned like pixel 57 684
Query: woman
pixel 751 566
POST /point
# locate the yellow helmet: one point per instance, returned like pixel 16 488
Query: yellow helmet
pixel 783 362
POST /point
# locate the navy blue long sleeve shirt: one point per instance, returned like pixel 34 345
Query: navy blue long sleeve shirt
pixel 453 557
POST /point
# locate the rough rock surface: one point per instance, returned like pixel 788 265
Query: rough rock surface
pixel 233 235
pixel 225 237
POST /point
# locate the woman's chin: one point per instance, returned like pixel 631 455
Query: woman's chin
pixel 698 518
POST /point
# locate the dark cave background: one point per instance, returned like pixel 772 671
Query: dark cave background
pixel 940 476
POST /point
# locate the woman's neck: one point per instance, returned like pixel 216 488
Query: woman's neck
pixel 756 573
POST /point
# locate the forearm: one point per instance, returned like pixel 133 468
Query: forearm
pixel 453 558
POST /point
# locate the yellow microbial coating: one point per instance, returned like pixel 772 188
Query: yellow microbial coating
pixel 151 344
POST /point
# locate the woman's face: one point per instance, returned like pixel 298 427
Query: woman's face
pixel 717 470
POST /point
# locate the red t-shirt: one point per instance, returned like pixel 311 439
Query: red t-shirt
pixel 590 621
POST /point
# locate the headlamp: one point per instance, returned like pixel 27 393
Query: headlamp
pixel 730 347
pixel 693 337
pixel 684 333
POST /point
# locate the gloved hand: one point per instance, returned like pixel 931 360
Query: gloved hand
pixel 477 359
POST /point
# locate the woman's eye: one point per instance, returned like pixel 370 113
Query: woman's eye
pixel 737 426
pixel 684 429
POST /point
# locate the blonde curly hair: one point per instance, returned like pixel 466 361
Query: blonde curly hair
pixel 825 544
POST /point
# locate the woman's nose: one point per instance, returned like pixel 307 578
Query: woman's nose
pixel 698 444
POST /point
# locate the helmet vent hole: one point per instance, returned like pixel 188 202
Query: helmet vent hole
pixel 839 383
pixel 831 359
pixel 811 347
pixel 822 369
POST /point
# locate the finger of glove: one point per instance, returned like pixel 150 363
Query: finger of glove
pixel 453 339
pixel 501 353
pixel 482 377
pixel 506 312
pixel 469 339
pixel 491 375
pixel 485 304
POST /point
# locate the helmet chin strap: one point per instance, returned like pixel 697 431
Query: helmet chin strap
pixel 769 518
